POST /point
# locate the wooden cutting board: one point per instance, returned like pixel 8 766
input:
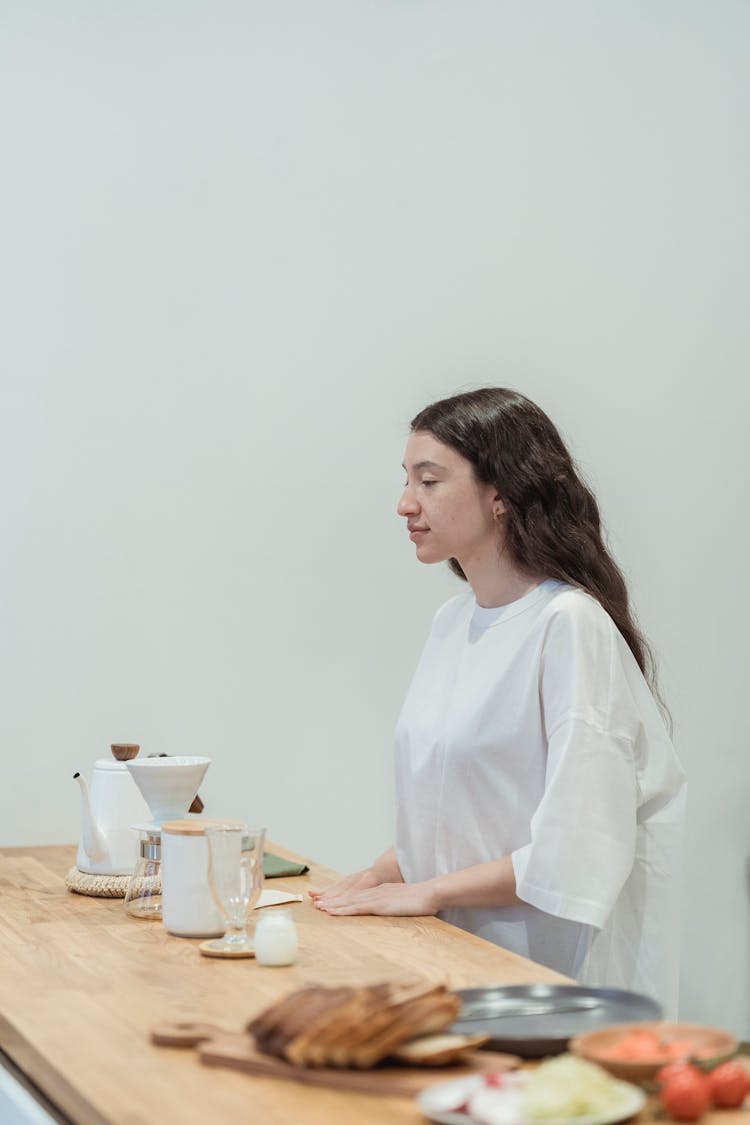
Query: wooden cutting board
pixel 218 1047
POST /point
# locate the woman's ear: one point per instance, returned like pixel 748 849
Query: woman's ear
pixel 498 507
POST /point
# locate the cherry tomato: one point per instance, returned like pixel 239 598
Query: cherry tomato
pixel 686 1096
pixel 729 1085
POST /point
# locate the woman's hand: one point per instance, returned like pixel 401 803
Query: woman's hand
pixel 487 885
pixel 360 880
pixel 395 899
pixel 385 869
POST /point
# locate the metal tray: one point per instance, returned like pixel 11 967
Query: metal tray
pixel 538 1019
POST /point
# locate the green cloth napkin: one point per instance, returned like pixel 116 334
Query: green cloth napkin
pixel 274 866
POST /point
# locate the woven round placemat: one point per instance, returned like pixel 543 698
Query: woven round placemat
pixel 97 886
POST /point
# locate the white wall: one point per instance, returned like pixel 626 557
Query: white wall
pixel 242 244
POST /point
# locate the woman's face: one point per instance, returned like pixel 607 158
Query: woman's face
pixel 449 512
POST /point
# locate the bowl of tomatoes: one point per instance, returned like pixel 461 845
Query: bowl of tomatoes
pixel 636 1052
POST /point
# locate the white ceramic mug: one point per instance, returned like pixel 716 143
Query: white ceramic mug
pixel 188 907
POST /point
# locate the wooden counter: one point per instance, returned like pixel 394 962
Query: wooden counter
pixel 81 984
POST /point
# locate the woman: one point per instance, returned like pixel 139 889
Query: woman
pixel 539 799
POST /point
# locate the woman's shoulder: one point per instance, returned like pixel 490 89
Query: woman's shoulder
pixel 576 629
pixel 455 610
pixel 574 609
pixel 580 636
pixel 560 610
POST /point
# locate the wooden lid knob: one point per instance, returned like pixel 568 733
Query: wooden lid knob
pixel 124 751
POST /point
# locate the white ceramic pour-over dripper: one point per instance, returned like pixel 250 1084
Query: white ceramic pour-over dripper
pixel 168 784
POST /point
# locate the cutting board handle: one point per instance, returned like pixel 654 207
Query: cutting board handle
pixel 184 1033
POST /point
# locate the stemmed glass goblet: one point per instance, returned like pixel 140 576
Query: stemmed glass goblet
pixel 235 875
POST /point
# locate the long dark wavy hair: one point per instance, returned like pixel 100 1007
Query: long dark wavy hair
pixel 553 527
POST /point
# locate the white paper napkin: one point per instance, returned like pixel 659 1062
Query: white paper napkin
pixel 275 898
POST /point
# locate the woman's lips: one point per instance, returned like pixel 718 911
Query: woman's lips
pixel 415 532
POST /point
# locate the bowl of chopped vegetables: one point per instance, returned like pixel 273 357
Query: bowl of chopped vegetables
pixel 636 1052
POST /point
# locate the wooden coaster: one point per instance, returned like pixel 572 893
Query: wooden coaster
pixel 209 949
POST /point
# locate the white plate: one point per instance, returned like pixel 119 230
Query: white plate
pixel 432 1098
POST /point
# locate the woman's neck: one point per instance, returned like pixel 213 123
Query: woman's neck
pixel 498 581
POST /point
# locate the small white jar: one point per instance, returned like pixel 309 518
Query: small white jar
pixel 275 937
pixel 187 906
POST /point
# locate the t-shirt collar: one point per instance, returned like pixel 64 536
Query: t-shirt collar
pixel 485 616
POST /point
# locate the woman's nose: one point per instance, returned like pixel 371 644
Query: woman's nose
pixel 407 505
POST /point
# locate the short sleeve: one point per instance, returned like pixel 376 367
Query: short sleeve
pixel 583 832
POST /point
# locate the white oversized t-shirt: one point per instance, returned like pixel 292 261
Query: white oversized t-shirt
pixel 529 731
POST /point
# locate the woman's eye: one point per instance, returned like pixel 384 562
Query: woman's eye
pixel 427 483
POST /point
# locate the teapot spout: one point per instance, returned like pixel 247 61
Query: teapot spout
pixel 92 838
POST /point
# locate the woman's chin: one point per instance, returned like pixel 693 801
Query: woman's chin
pixel 426 554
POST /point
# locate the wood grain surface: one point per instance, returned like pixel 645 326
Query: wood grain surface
pixel 82 984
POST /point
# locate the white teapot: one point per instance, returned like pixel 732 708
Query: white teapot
pixel 108 811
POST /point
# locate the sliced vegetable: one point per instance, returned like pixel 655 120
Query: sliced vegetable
pixel 567 1086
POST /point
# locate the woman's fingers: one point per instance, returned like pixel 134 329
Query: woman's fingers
pixel 344 898
pixel 359 894
pixel 394 899
pixel 343 890
pixel 326 900
pixel 351 904
pixel 345 886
